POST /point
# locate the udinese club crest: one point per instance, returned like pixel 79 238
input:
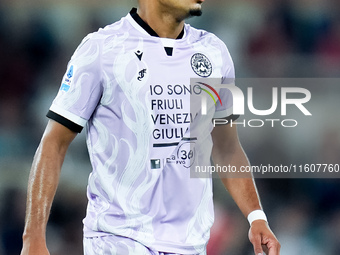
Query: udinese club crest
pixel 201 65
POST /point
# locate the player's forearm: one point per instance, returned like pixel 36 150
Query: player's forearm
pixel 42 185
pixel 242 189
pixel 244 193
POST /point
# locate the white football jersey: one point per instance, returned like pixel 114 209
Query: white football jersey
pixel 132 91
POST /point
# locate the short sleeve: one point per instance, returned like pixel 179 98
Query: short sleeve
pixel 225 110
pixel 81 87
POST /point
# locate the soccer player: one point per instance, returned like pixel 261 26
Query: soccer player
pixel 129 84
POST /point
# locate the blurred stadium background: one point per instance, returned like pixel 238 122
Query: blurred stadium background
pixel 277 39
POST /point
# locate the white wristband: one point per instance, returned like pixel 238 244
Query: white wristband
pixel 256 215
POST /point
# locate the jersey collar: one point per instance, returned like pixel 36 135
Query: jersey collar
pixel 146 27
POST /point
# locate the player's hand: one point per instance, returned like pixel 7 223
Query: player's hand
pixel 263 239
pixel 34 248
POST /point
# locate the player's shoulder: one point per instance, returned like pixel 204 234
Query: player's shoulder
pixel 119 27
pixel 201 35
pixel 107 33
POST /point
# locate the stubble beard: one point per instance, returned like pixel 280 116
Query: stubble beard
pixel 195 13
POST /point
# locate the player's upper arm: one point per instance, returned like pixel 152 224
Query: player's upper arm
pixel 58 135
pixel 225 139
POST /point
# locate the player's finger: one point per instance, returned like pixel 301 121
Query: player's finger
pixel 274 247
pixel 265 249
pixel 256 241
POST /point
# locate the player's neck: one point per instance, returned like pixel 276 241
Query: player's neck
pixel 163 23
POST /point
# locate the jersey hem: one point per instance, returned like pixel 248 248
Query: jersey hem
pixel 63 121
pixel 223 114
pixel 68 115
